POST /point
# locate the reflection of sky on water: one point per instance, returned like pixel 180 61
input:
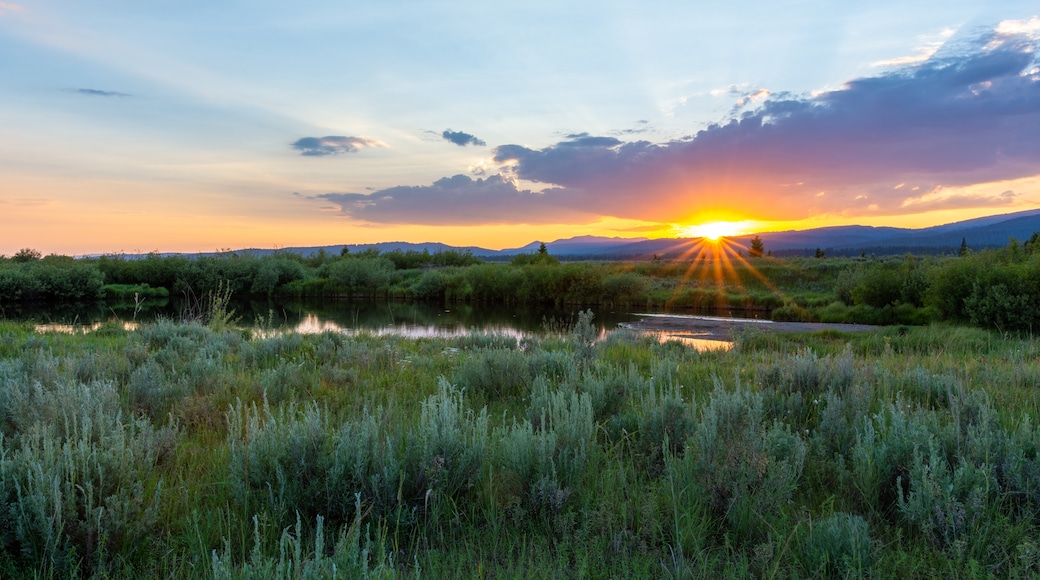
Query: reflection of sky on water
pixel 74 328
pixel 418 321
pixel 690 339
pixel 312 324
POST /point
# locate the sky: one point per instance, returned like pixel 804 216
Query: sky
pixel 199 126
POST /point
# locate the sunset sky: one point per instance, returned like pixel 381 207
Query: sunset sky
pixel 195 126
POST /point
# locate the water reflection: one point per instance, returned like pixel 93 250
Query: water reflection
pixel 691 340
pixel 76 328
pixel 312 324
pixel 414 320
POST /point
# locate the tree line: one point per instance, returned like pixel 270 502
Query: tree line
pixel 999 288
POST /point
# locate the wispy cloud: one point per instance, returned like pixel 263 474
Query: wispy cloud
pixel 969 114
pixel 332 145
pixel 462 139
pixel 10 8
pixel 927 48
pixel 98 93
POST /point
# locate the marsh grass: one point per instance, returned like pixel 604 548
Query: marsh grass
pixel 187 450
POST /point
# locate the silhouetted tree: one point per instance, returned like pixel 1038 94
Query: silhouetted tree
pixel 757 247
pixel 820 253
pixel 26 255
pixel 964 248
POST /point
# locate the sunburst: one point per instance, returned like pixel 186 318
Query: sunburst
pixel 713 231
pixel 713 261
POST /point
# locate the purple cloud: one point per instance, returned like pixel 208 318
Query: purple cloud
pixel 952 121
pixel 332 145
pixel 458 200
pixel 461 139
pixel 886 144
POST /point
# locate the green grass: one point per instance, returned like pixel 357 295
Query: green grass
pixel 181 450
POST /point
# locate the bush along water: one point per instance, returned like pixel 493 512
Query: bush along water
pixel 993 288
pixel 189 450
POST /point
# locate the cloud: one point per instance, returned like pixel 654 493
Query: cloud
pixel 97 93
pixel 8 8
pixel 928 47
pixel 943 200
pixel 461 139
pixel 966 116
pixel 458 200
pixel 332 145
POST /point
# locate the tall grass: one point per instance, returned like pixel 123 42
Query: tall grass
pixel 185 450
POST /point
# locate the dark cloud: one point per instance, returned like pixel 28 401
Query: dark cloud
pixel 332 145
pixel 461 139
pixel 884 145
pixel 97 93
pixel 586 140
pixel 458 200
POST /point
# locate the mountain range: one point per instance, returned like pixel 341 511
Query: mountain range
pixel 978 233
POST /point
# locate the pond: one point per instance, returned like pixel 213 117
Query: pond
pixel 376 317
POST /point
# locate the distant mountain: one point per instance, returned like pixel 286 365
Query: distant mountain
pixel 576 246
pixel 308 251
pixel 978 233
pixel 976 236
pixel 431 247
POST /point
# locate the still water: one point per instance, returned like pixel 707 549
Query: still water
pixel 375 317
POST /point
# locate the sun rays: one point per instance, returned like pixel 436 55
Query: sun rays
pixel 713 272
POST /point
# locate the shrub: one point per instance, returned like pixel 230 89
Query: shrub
pixel 278 459
pixel 609 390
pixel 495 373
pixel 1002 307
pixel 354 555
pixel 584 336
pixel 885 446
pixel 946 503
pixel 1020 470
pixel 742 471
pixel 376 467
pixel 880 287
pixel 152 391
pixel 665 424
pixel 838 546
pixel 82 482
pixel 525 468
pixel 453 441
pixel 288 381
pixel 431 285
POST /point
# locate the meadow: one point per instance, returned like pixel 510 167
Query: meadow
pixel 190 450
pixel 195 447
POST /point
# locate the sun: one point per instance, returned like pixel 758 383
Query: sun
pixel 712 231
